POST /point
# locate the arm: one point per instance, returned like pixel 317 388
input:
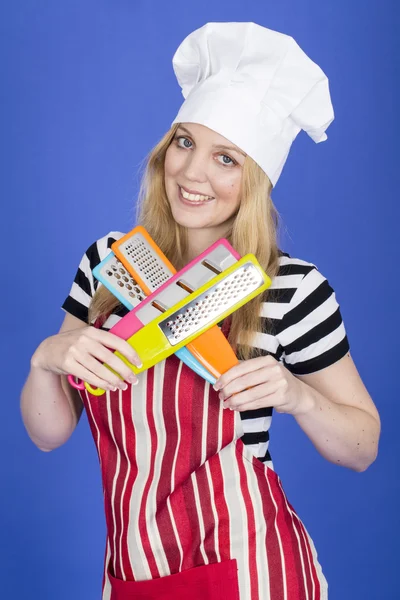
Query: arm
pixel 339 416
pixel 50 407
pixel 332 405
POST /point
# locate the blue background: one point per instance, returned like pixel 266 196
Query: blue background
pixel 87 89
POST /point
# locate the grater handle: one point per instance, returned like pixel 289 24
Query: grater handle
pixel 213 351
pixel 75 382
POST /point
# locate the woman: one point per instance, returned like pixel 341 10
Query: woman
pixel 193 505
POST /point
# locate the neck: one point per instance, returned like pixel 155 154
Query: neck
pixel 201 239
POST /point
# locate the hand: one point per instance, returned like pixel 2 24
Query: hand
pixel 81 352
pixel 260 382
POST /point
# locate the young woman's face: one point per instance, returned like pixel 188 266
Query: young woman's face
pixel 203 171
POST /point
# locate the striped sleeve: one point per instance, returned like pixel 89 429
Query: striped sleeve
pixel 84 284
pixel 312 332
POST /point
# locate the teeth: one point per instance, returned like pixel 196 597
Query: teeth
pixel 194 197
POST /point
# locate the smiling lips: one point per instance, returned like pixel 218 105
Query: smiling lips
pixel 194 197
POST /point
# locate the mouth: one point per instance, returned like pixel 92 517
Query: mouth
pixel 193 199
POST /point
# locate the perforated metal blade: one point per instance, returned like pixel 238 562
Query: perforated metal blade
pixel 212 304
pixel 143 259
pixel 117 279
pixel 195 315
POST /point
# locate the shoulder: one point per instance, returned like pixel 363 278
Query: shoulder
pixel 288 279
pixel 99 249
pixel 298 283
pixel 290 265
pixel 84 284
pixel 95 253
pixel 311 332
pixel 303 284
pixel 294 272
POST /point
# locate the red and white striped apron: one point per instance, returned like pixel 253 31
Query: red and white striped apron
pixel 189 509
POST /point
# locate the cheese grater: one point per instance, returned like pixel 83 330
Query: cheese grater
pixel 143 259
pixel 113 275
pixel 149 266
pixel 212 348
pixel 198 312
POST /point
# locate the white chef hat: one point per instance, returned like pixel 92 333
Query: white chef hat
pixel 254 86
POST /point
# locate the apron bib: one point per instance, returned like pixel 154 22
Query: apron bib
pixel 189 509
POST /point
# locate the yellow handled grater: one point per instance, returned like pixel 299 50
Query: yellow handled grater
pixel 198 312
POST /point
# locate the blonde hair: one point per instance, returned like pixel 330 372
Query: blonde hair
pixel 254 230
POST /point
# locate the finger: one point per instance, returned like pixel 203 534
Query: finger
pixel 256 405
pixel 130 354
pixel 114 342
pixel 258 396
pixel 247 366
pixel 95 346
pixel 100 371
pixel 251 379
pixel 120 367
pixel 101 359
pixel 85 374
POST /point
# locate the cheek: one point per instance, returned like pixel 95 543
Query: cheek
pixel 229 189
pixel 172 163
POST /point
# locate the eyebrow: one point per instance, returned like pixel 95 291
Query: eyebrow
pixel 216 146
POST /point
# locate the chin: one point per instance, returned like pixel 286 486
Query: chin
pixel 186 220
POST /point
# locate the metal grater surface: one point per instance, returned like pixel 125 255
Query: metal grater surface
pixel 211 304
pixel 145 261
pixel 115 276
pixel 192 277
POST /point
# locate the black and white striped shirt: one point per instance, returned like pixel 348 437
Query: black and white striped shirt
pixel 301 325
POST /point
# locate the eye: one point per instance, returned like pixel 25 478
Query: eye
pixel 231 161
pixel 185 139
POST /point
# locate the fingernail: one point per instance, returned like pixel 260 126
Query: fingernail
pixel 124 386
pixel 216 387
pixel 133 379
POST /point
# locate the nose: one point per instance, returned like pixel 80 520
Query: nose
pixel 195 168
